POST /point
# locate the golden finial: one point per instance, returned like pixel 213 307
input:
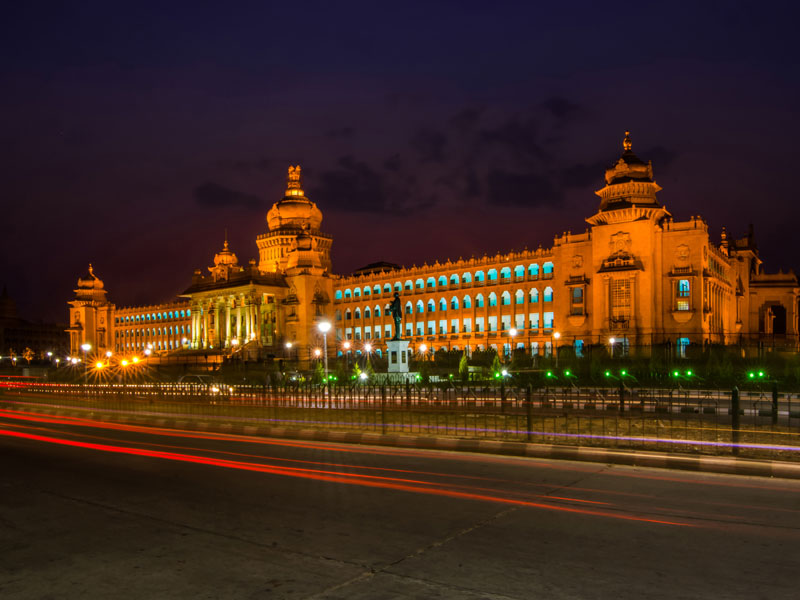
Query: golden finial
pixel 293 180
pixel 626 143
pixel 225 245
pixel 91 270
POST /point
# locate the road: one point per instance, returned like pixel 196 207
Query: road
pixel 93 510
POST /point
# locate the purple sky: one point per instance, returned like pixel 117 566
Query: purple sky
pixel 133 136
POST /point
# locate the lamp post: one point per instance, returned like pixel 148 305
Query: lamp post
pixel 611 342
pixel 325 327
pixel 422 350
pixel 86 346
pixel 556 336
pixel 367 349
pixel 512 333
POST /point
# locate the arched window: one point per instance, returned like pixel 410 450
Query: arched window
pixel 453 279
pixel 367 291
pixel 492 274
pixel 367 313
pixel 442 305
pixel 348 315
pixel 348 293
pixel 519 271
pixel 408 285
pixel 420 306
pixel 505 299
pixel 377 289
pixel 409 308
pixel 492 299
pixel 419 284
pixel 397 286
pixel 188 313
pixel 547 269
pixel 505 273
pixel 467 301
pixel 387 288
pixel 442 281
pixel 479 276
pixel 533 270
pixel 454 303
pixel 519 297
pixel 431 306
pixel 548 294
pixel 534 295
pixel 159 316
pixel 466 278
pixel 357 314
pixel 338 315
pixel 431 283
pixel 338 295
pixel 357 293
pixel 479 300
pixel 377 311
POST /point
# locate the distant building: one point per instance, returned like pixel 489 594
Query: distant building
pixel 635 276
pixel 17 334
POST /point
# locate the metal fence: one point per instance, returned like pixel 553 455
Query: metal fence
pixel 753 423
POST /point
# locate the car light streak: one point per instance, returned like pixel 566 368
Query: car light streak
pixel 352 479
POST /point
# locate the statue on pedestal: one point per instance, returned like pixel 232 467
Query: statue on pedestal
pixel 396 310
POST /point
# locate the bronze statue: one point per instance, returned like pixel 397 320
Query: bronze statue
pixel 396 310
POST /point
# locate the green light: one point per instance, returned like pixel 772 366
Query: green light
pixel 761 373
pixel 608 373
pixel 623 372
pixel 497 375
pixel 676 373
pixel 549 373
pixel 751 375
pixel 689 373
pixel 567 373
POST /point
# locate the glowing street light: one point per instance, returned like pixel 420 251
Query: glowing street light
pixel 325 327
pixel 611 343
pixel 109 354
pixel 556 336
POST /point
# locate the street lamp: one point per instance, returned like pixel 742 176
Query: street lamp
pixel 325 327
pixel 556 336
pixel 86 346
pixel 611 342
pixel 512 333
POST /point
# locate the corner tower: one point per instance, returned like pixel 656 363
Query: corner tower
pixel 91 316
pixel 291 218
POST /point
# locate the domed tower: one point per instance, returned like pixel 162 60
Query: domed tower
pixel 91 315
pixel 294 215
pixel 630 191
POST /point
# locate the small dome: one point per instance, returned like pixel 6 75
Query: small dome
pixel 629 167
pixel 90 281
pixel 294 210
pixel 226 257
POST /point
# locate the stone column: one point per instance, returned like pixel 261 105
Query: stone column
pixel 239 319
pixel 227 322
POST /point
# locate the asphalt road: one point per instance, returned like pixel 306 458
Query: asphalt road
pixel 111 511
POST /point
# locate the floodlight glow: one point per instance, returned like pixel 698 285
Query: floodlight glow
pixel 324 326
pixel 368 347
pixel 86 347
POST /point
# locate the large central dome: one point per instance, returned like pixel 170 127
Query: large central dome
pixel 295 210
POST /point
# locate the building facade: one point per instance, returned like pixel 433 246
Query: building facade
pixel 635 276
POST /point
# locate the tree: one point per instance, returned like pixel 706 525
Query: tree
pixel 319 374
pixel 28 355
pixel 463 367
pixel 497 367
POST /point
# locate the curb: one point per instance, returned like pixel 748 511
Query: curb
pixel 638 458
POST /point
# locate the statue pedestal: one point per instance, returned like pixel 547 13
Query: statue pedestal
pixel 398 356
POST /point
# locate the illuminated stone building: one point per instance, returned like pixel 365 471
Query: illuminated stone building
pixel 635 276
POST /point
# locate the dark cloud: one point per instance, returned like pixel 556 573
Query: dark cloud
pixel 341 133
pixel 506 188
pixel 466 119
pixel 430 145
pixel 561 108
pixel 214 195
pixel 393 163
pixel 660 156
pixel 519 138
pixel 583 175
pixel 246 166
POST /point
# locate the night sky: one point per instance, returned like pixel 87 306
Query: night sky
pixel 132 136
